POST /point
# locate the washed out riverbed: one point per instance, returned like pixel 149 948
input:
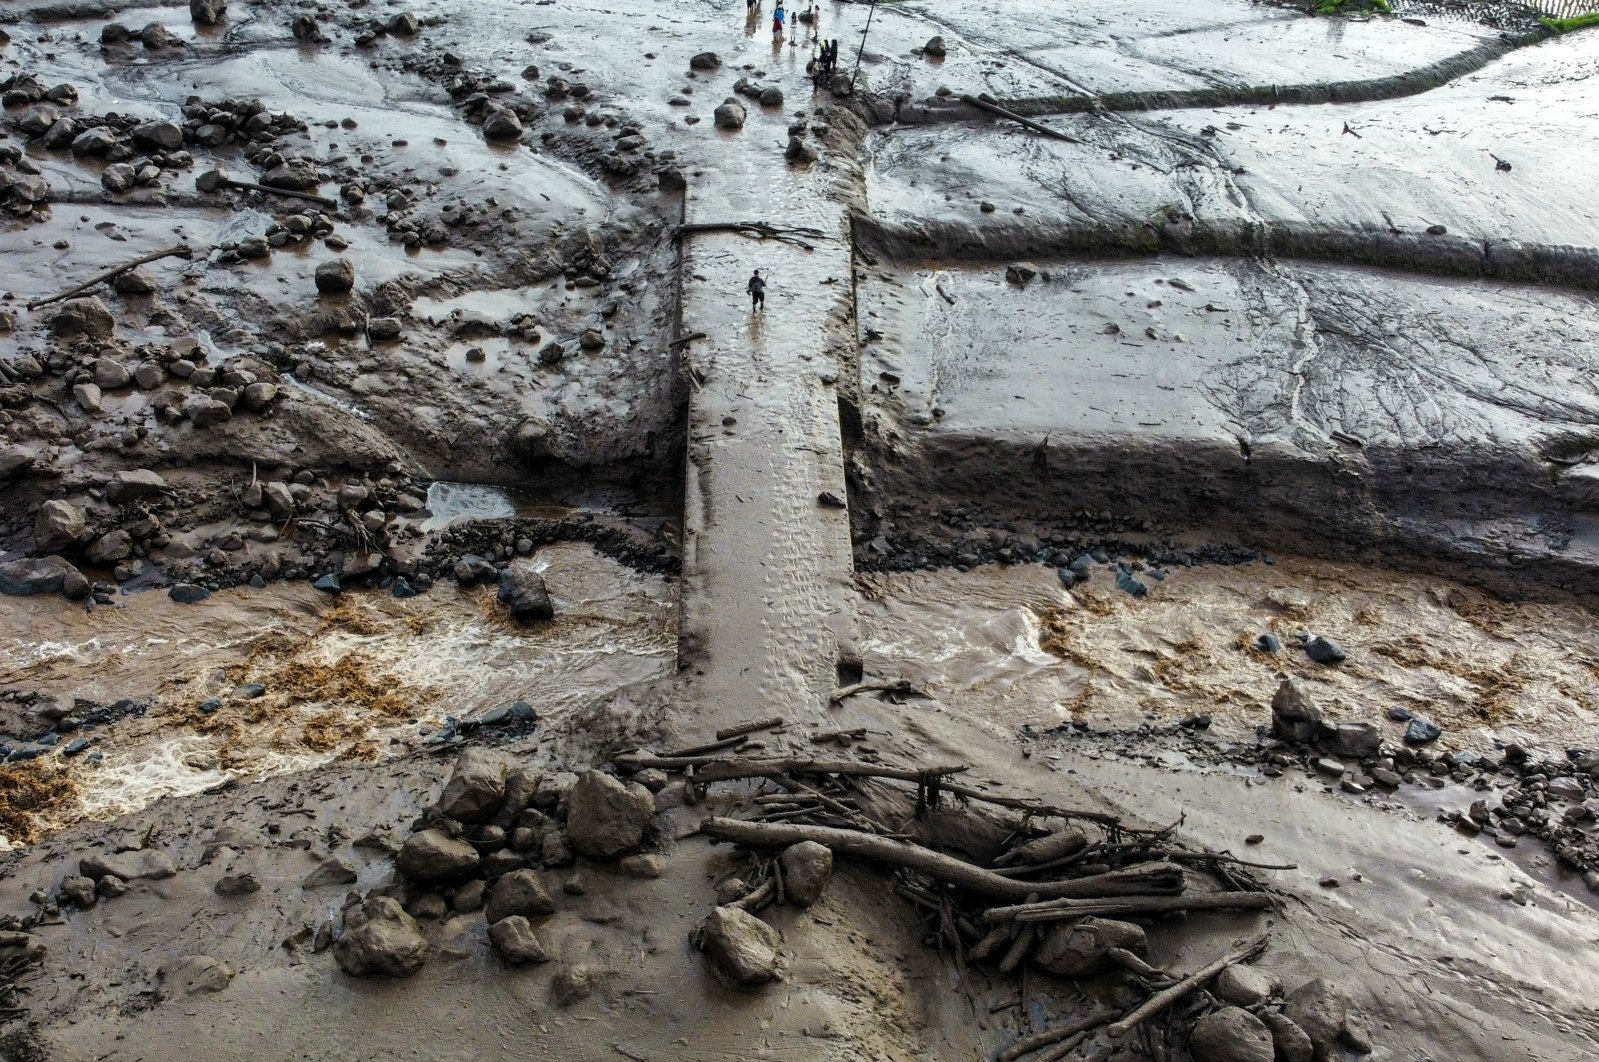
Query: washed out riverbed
pixel 1212 457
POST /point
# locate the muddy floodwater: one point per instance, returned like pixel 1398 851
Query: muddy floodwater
pixel 580 530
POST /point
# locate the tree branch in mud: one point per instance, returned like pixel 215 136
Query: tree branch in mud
pixel 723 768
pixel 898 686
pixel 1198 979
pixel 982 103
pixel 212 180
pixel 758 229
pixel 1122 906
pixel 1048 1037
pixel 1134 881
pixel 181 250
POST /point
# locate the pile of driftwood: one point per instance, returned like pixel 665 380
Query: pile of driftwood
pixel 1035 886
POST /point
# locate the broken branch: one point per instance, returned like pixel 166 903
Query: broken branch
pixel 181 250
pixel 993 108
pixel 1166 997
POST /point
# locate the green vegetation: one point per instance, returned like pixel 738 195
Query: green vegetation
pixel 1353 7
pixel 1566 25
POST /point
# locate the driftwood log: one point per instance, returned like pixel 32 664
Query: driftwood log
pixel 1198 979
pixel 723 768
pixel 982 103
pixel 214 180
pixel 1121 906
pixel 181 250
pixel 1133 881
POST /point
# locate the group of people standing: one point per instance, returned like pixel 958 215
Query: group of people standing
pixel 824 59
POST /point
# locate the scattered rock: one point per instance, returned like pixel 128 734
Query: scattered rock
pixel 1294 716
pixel 1020 272
pixel 83 317
pixel 502 124
pixel 522 590
pixel 743 948
pixel 433 855
pixel 935 47
pixel 515 942
pixel 1421 732
pixel 1324 650
pixel 237 884
pixel 476 786
pixel 207 12
pixel 1230 1034
pixel 57 525
pixel 606 818
pixel 335 276
pixel 1317 1009
pixel 521 892
pixel 380 939
pixel 1357 740
pixel 1290 1041
pixel 146 864
pixel 705 61
pixel 807 868
pixel 134 485
pixel 730 115
pixel 332 871
pixel 26 576
pixel 1245 986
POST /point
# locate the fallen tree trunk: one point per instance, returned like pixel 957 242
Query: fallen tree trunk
pixel 1072 907
pixel 181 250
pixel 723 768
pixel 994 108
pixel 940 867
pixel 1200 977
pixel 1040 1040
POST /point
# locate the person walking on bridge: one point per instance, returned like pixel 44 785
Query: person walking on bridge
pixel 757 289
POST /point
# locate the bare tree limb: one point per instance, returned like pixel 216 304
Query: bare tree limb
pixel 1200 977
pixel 181 250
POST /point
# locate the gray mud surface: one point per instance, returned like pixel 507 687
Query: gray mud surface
pixel 1257 373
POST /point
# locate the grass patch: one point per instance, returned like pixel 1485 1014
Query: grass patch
pixel 1576 22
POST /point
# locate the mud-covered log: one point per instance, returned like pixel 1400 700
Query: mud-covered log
pixel 1198 979
pixel 1117 906
pixel 1133 881
pixel 181 250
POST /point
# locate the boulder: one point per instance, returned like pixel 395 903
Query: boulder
pixel 743 948
pixel 705 61
pixel 730 115
pixel 189 975
pixel 433 855
pixel 475 788
pixel 515 942
pixel 1020 273
pixel 295 174
pixel 935 47
pixel 807 868
pixel 132 485
pixel 1356 740
pixel 94 142
pixel 78 891
pixel 119 178
pixel 405 24
pixel 522 590
pixel 83 317
pixel 1078 949
pixel 159 135
pixel 204 411
pixel 335 276
pixel 87 396
pixel 1422 731
pixel 134 282
pixel 1289 1041
pixel 771 96
pixel 57 525
pixel 606 818
pixel 207 12
pixel 147 864
pixel 1245 986
pixel 380 939
pixel 1294 716
pixel 258 396
pixel 502 124
pixel 1324 650
pixel 38 575
pixel 521 892
pixel 1230 1034
pixel 799 151
pixel 1320 1011
pixel 110 547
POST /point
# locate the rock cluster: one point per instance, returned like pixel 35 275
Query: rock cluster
pixel 484 847
pixel 1254 1022
pixel 24 193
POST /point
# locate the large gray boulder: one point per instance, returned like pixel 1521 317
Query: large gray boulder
pixel 1290 1042
pixel 380 940
pixel 40 575
pixel 502 124
pixel 743 948
pixel 1230 1034
pixel 1318 1009
pixel 476 787
pixel 433 855
pixel 1356 740
pixel 1245 986
pixel 605 818
pixel 57 525
pixel 158 135
pixel 521 892
pixel 1078 949
pixel 83 317
pixel 1294 716
pixel 522 590
pixel 110 547
pixel 730 115
pixel 807 868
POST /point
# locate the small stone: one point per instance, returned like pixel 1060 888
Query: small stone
pixel 645 867
pixel 1325 650
pixel 234 885
pixel 332 871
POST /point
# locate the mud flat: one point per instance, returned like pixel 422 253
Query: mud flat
pixel 1127 597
